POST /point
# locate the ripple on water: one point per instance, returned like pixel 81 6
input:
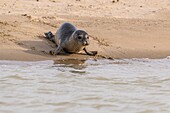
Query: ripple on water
pixel 95 86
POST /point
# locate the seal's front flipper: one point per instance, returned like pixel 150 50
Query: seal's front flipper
pixel 92 53
pixel 49 35
pixel 57 50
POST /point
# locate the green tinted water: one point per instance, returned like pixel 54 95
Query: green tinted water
pixel 79 86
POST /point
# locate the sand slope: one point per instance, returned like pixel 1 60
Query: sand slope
pixel 124 29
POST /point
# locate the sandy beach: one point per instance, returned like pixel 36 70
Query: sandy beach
pixel 118 29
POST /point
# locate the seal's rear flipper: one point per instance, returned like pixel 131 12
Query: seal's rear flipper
pixel 49 35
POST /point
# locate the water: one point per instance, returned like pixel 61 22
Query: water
pixel 79 86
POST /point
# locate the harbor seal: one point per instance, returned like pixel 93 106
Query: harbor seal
pixel 70 40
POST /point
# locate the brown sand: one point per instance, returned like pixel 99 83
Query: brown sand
pixel 124 29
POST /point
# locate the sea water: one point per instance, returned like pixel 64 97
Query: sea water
pixel 85 86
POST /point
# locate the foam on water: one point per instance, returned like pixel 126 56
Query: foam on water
pixel 78 86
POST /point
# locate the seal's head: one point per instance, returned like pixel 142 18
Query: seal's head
pixel 81 37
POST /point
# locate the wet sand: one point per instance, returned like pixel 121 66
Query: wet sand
pixel 124 29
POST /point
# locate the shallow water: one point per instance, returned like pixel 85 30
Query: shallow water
pixel 79 86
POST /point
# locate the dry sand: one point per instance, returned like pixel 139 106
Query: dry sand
pixel 123 29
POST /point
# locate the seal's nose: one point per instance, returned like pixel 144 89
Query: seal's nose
pixel 86 43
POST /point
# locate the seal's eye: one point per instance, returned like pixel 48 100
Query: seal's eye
pixel 87 37
pixel 79 37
